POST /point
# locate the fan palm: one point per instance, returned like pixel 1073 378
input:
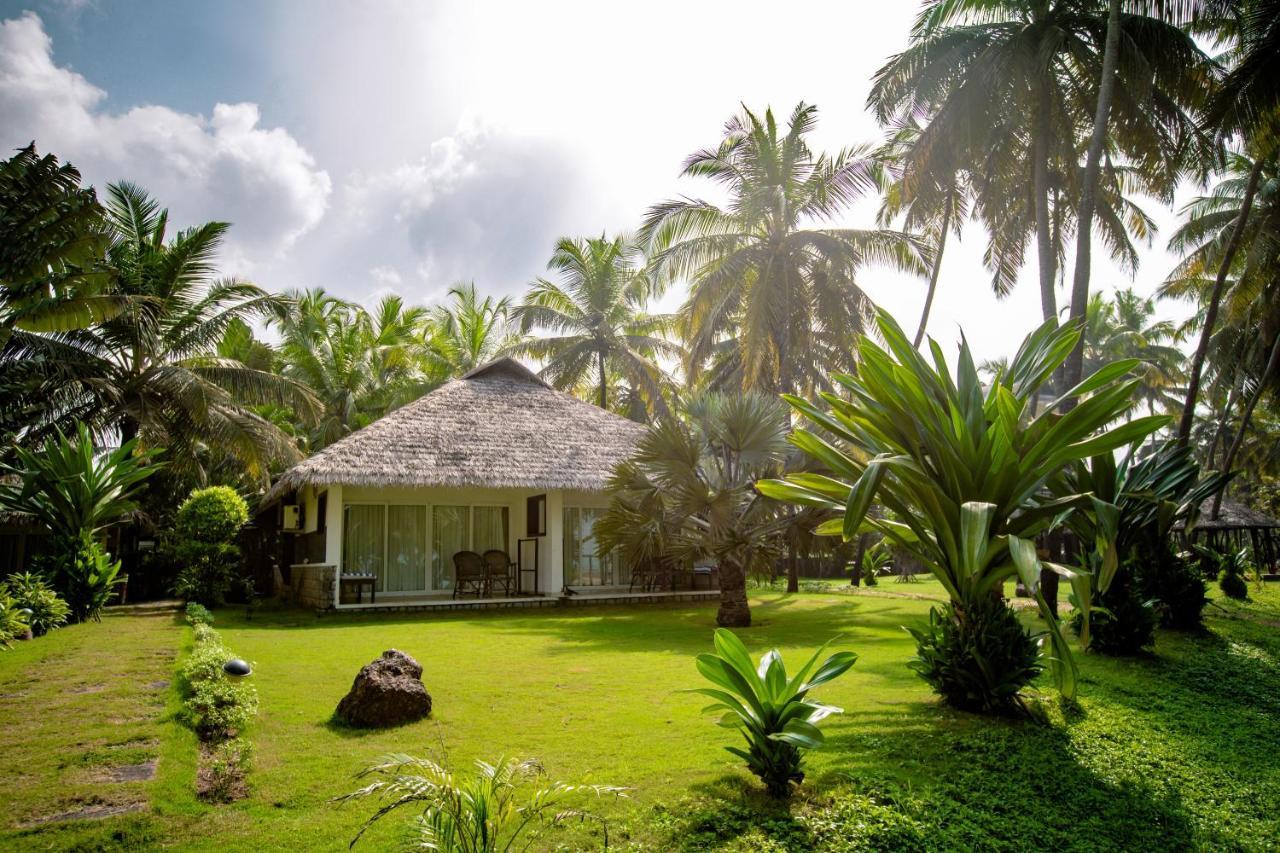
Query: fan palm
pixel 689 493
pixel 152 371
pixel 772 295
pixel 597 321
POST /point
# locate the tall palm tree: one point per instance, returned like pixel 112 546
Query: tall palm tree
pixel 597 321
pixel 934 208
pixel 1004 88
pixel 771 291
pixel 153 371
pixel 1242 211
pixel 468 331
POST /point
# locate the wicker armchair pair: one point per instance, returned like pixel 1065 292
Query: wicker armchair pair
pixel 482 574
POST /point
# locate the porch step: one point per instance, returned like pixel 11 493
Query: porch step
pixel 580 600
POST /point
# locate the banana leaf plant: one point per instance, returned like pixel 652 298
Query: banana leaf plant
pixel 963 469
pixel 772 711
pixel 1141 500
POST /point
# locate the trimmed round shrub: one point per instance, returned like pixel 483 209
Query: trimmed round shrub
pixel 977 658
pixel 198 614
pixel 1123 621
pixel 30 591
pixel 204 546
pixel 212 515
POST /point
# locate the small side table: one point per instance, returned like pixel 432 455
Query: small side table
pixel 360 581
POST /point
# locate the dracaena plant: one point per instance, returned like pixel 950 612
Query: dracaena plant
pixel 962 468
pixel 1141 499
pixel 773 712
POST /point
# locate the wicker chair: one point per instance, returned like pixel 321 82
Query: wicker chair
pixel 469 574
pixel 497 572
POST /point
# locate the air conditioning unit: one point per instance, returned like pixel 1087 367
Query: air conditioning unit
pixel 291 518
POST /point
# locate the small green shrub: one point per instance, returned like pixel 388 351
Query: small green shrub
pixel 204 663
pixel 1178 584
pixel 222 779
pixel 198 614
pixel 205 633
pixel 978 658
pixel 770 710
pixel 1228 568
pixel 219 708
pixel 30 591
pixel 1123 621
pixel 13 622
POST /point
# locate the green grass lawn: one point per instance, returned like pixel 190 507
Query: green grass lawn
pixel 1176 751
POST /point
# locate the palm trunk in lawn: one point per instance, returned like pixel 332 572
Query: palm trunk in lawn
pixel 1215 300
pixel 1089 194
pixel 1044 241
pixel 1273 365
pixel 793 569
pixel 937 267
pixel 734 611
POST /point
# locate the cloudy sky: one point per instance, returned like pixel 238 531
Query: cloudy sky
pixel 373 146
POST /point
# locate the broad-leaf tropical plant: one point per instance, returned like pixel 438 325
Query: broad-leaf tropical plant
pixel 773 712
pixel 962 470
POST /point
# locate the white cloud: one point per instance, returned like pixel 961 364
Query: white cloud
pixel 223 167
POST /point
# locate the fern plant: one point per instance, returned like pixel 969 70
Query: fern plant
pixel 773 712
pixel 489 812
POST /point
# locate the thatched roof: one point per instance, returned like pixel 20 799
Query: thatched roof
pixel 1233 515
pixel 500 426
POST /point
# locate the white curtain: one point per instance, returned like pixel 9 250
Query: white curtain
pixel 362 543
pixel 583 565
pixel 490 528
pixel 450 533
pixel 406 548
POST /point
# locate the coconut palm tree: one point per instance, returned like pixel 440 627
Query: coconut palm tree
pixel 152 371
pixel 689 493
pixel 772 295
pixel 1124 327
pixel 468 331
pixel 594 322
pixel 934 208
pixel 1003 89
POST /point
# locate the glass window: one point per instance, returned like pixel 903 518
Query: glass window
pixel 450 533
pixel 406 549
pixel 362 538
pixel 583 565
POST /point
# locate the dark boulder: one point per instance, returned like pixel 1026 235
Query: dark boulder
pixel 387 692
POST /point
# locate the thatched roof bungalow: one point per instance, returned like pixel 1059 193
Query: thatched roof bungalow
pixel 1237 526
pixel 495 461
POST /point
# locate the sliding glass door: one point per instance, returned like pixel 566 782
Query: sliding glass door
pixel 583 563
pixel 363 547
pixel 406 549
pixel 464 528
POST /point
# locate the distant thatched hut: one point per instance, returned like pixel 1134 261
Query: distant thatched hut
pixel 495 460
pixel 1235 527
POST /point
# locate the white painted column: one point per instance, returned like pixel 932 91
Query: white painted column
pixel 333 536
pixel 555 541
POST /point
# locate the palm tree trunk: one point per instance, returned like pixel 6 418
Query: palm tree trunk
pixel 1089 193
pixel 793 570
pixel 937 267
pixel 1044 240
pixel 1215 299
pixel 604 381
pixel 734 611
pixel 1273 365
pixel 1233 393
